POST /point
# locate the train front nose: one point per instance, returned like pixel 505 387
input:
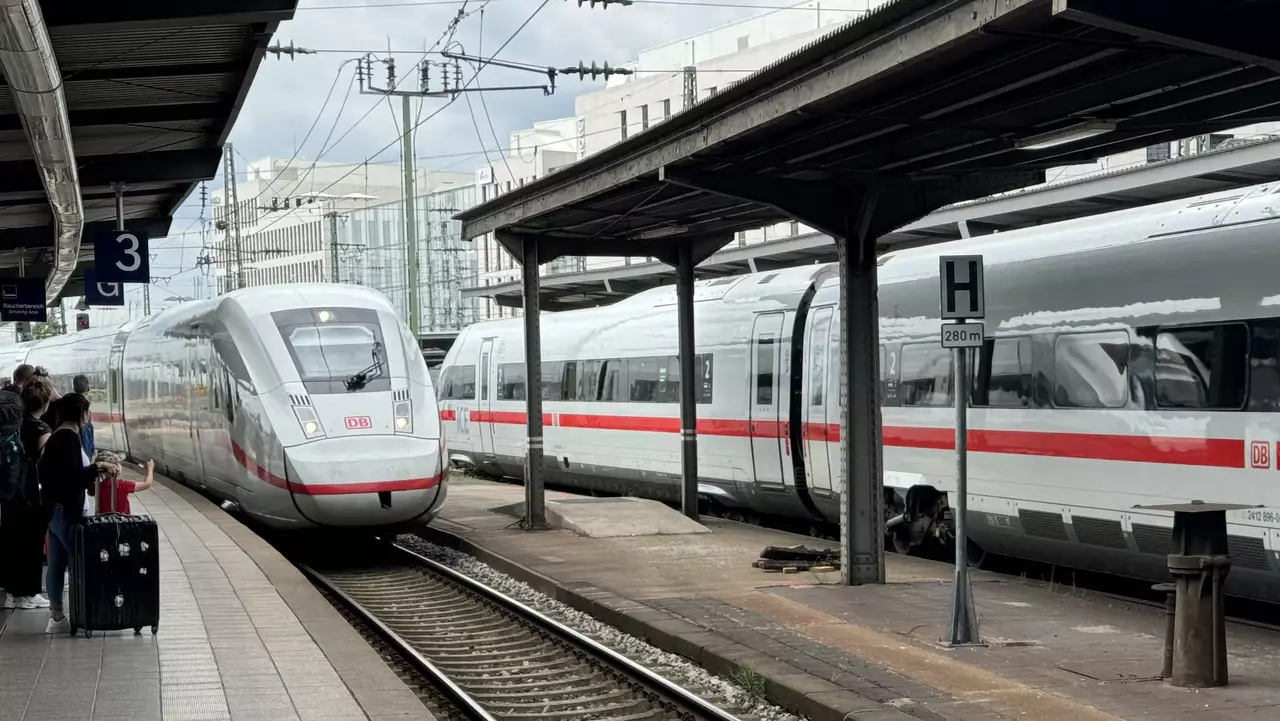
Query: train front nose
pixel 369 481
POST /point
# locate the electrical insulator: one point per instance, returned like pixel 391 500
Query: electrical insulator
pixel 82 321
pixel 424 77
pixel 391 72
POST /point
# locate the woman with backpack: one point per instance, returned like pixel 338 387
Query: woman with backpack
pixel 66 474
pixel 25 522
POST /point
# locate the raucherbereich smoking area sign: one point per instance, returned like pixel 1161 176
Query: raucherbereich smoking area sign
pixel 22 299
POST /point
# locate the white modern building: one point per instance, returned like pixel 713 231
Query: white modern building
pixel 293 217
pixel 372 252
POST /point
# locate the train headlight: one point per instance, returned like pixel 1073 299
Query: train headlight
pixel 310 423
pixel 404 416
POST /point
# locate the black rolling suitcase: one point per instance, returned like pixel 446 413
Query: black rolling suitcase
pixel 115 574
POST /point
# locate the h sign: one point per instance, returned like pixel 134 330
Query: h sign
pixel 121 256
pixel 960 277
pixel 97 293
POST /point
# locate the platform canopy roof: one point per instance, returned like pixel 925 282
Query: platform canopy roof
pixel 957 99
pixel 152 89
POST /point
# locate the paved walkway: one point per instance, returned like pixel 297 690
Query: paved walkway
pixel 869 652
pixel 243 637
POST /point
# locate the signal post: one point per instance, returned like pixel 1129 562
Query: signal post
pixel 962 308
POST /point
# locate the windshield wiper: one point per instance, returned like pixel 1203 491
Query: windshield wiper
pixel 358 381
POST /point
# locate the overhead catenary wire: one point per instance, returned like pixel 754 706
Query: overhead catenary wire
pixel 316 121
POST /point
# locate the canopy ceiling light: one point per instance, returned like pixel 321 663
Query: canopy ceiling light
pixel 662 232
pixel 1069 134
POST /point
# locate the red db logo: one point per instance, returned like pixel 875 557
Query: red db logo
pixel 359 423
pixel 1260 454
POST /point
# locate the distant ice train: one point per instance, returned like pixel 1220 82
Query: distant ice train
pixel 306 405
pixel 1135 360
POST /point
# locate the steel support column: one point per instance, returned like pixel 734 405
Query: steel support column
pixel 535 511
pixel 690 384
pixel 861 512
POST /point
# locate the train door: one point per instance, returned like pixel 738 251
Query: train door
pixel 766 422
pixel 817 414
pixel 187 385
pixel 212 433
pixel 115 397
pixel 484 399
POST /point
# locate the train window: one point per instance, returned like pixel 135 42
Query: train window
pixel 552 380
pixel 1202 367
pixel 588 381
pixel 764 371
pixel 612 385
pixel 668 390
pixel 569 382
pixel 819 337
pixel 926 375
pixel 328 352
pixel 510 382
pixel 444 385
pixel 702 370
pixel 1264 366
pixel 458 383
pixel 644 375
pixel 484 376
pixel 1002 375
pixel 1091 370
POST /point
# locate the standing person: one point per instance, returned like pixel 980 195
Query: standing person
pixel 81 385
pixel 66 474
pixel 119 501
pixel 25 524
pixel 11 413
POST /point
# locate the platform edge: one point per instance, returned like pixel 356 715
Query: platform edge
pixel 373 685
pixel 787 686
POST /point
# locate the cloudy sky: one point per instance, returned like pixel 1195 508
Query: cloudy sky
pixel 289 96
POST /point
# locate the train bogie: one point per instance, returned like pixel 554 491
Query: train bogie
pixel 1131 361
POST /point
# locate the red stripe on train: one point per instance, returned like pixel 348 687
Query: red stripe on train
pixel 1214 452
pixel 311 489
pixel 331 489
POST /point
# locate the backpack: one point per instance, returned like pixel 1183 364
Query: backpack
pixel 13 467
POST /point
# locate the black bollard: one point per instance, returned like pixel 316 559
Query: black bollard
pixel 1199 565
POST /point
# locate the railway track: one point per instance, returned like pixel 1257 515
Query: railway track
pixel 493 657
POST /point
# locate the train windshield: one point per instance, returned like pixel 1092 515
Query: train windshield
pixel 330 346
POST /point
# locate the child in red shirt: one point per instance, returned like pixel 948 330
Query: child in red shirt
pixel 120 504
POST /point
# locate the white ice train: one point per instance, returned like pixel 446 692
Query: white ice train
pixel 306 405
pixel 1133 358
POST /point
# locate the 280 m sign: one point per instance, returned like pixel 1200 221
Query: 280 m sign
pixel 963 335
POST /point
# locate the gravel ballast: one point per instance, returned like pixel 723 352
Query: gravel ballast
pixel 746 697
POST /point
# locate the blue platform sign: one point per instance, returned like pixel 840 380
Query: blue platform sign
pixel 22 299
pixel 98 293
pixel 121 256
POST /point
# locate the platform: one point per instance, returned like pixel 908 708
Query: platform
pixel 615 517
pixel 870 653
pixel 243 637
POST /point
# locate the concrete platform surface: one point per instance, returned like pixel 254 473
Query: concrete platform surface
pixel 611 517
pixel 243 637
pixel 872 652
